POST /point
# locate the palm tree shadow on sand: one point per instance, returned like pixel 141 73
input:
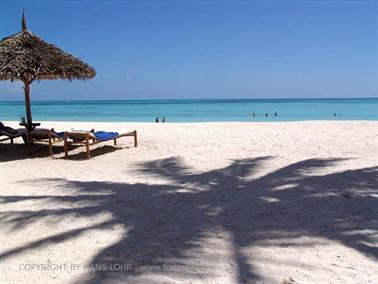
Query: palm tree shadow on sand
pixel 166 222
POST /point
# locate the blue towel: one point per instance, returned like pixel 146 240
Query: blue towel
pixel 103 135
pixel 60 134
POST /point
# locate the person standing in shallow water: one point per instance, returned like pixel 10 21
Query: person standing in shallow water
pixel 266 114
pixel 157 119
pixel 163 120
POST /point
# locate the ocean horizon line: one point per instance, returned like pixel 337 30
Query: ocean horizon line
pixel 202 122
pixel 200 99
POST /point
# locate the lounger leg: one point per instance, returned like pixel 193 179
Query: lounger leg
pixel 25 139
pixel 11 140
pixel 135 139
pixel 65 147
pixel 87 146
pixel 50 148
pixel 115 142
pixel 29 143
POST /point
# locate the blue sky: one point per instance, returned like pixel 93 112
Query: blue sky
pixel 205 49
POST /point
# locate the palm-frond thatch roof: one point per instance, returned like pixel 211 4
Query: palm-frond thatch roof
pixel 25 56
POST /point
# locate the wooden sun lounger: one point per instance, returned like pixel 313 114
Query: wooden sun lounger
pixel 43 135
pixel 84 138
pixel 11 134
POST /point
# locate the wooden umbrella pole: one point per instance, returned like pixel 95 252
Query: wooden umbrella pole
pixel 27 103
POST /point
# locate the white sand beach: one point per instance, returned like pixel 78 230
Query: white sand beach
pixel 283 202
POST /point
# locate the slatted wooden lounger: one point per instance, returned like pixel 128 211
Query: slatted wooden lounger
pixel 84 138
pixel 43 135
pixel 11 133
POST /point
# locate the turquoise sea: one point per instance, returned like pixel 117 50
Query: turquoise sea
pixel 195 110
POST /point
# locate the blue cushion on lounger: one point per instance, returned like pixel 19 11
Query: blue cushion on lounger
pixel 103 135
pixel 60 134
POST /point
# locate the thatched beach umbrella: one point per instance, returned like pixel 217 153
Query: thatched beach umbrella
pixel 26 57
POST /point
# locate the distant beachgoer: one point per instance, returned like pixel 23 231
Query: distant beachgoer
pixel 157 119
pixel 253 114
pixel 334 114
pixel 339 114
pixel 266 114
pixel 163 120
pixel 275 114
